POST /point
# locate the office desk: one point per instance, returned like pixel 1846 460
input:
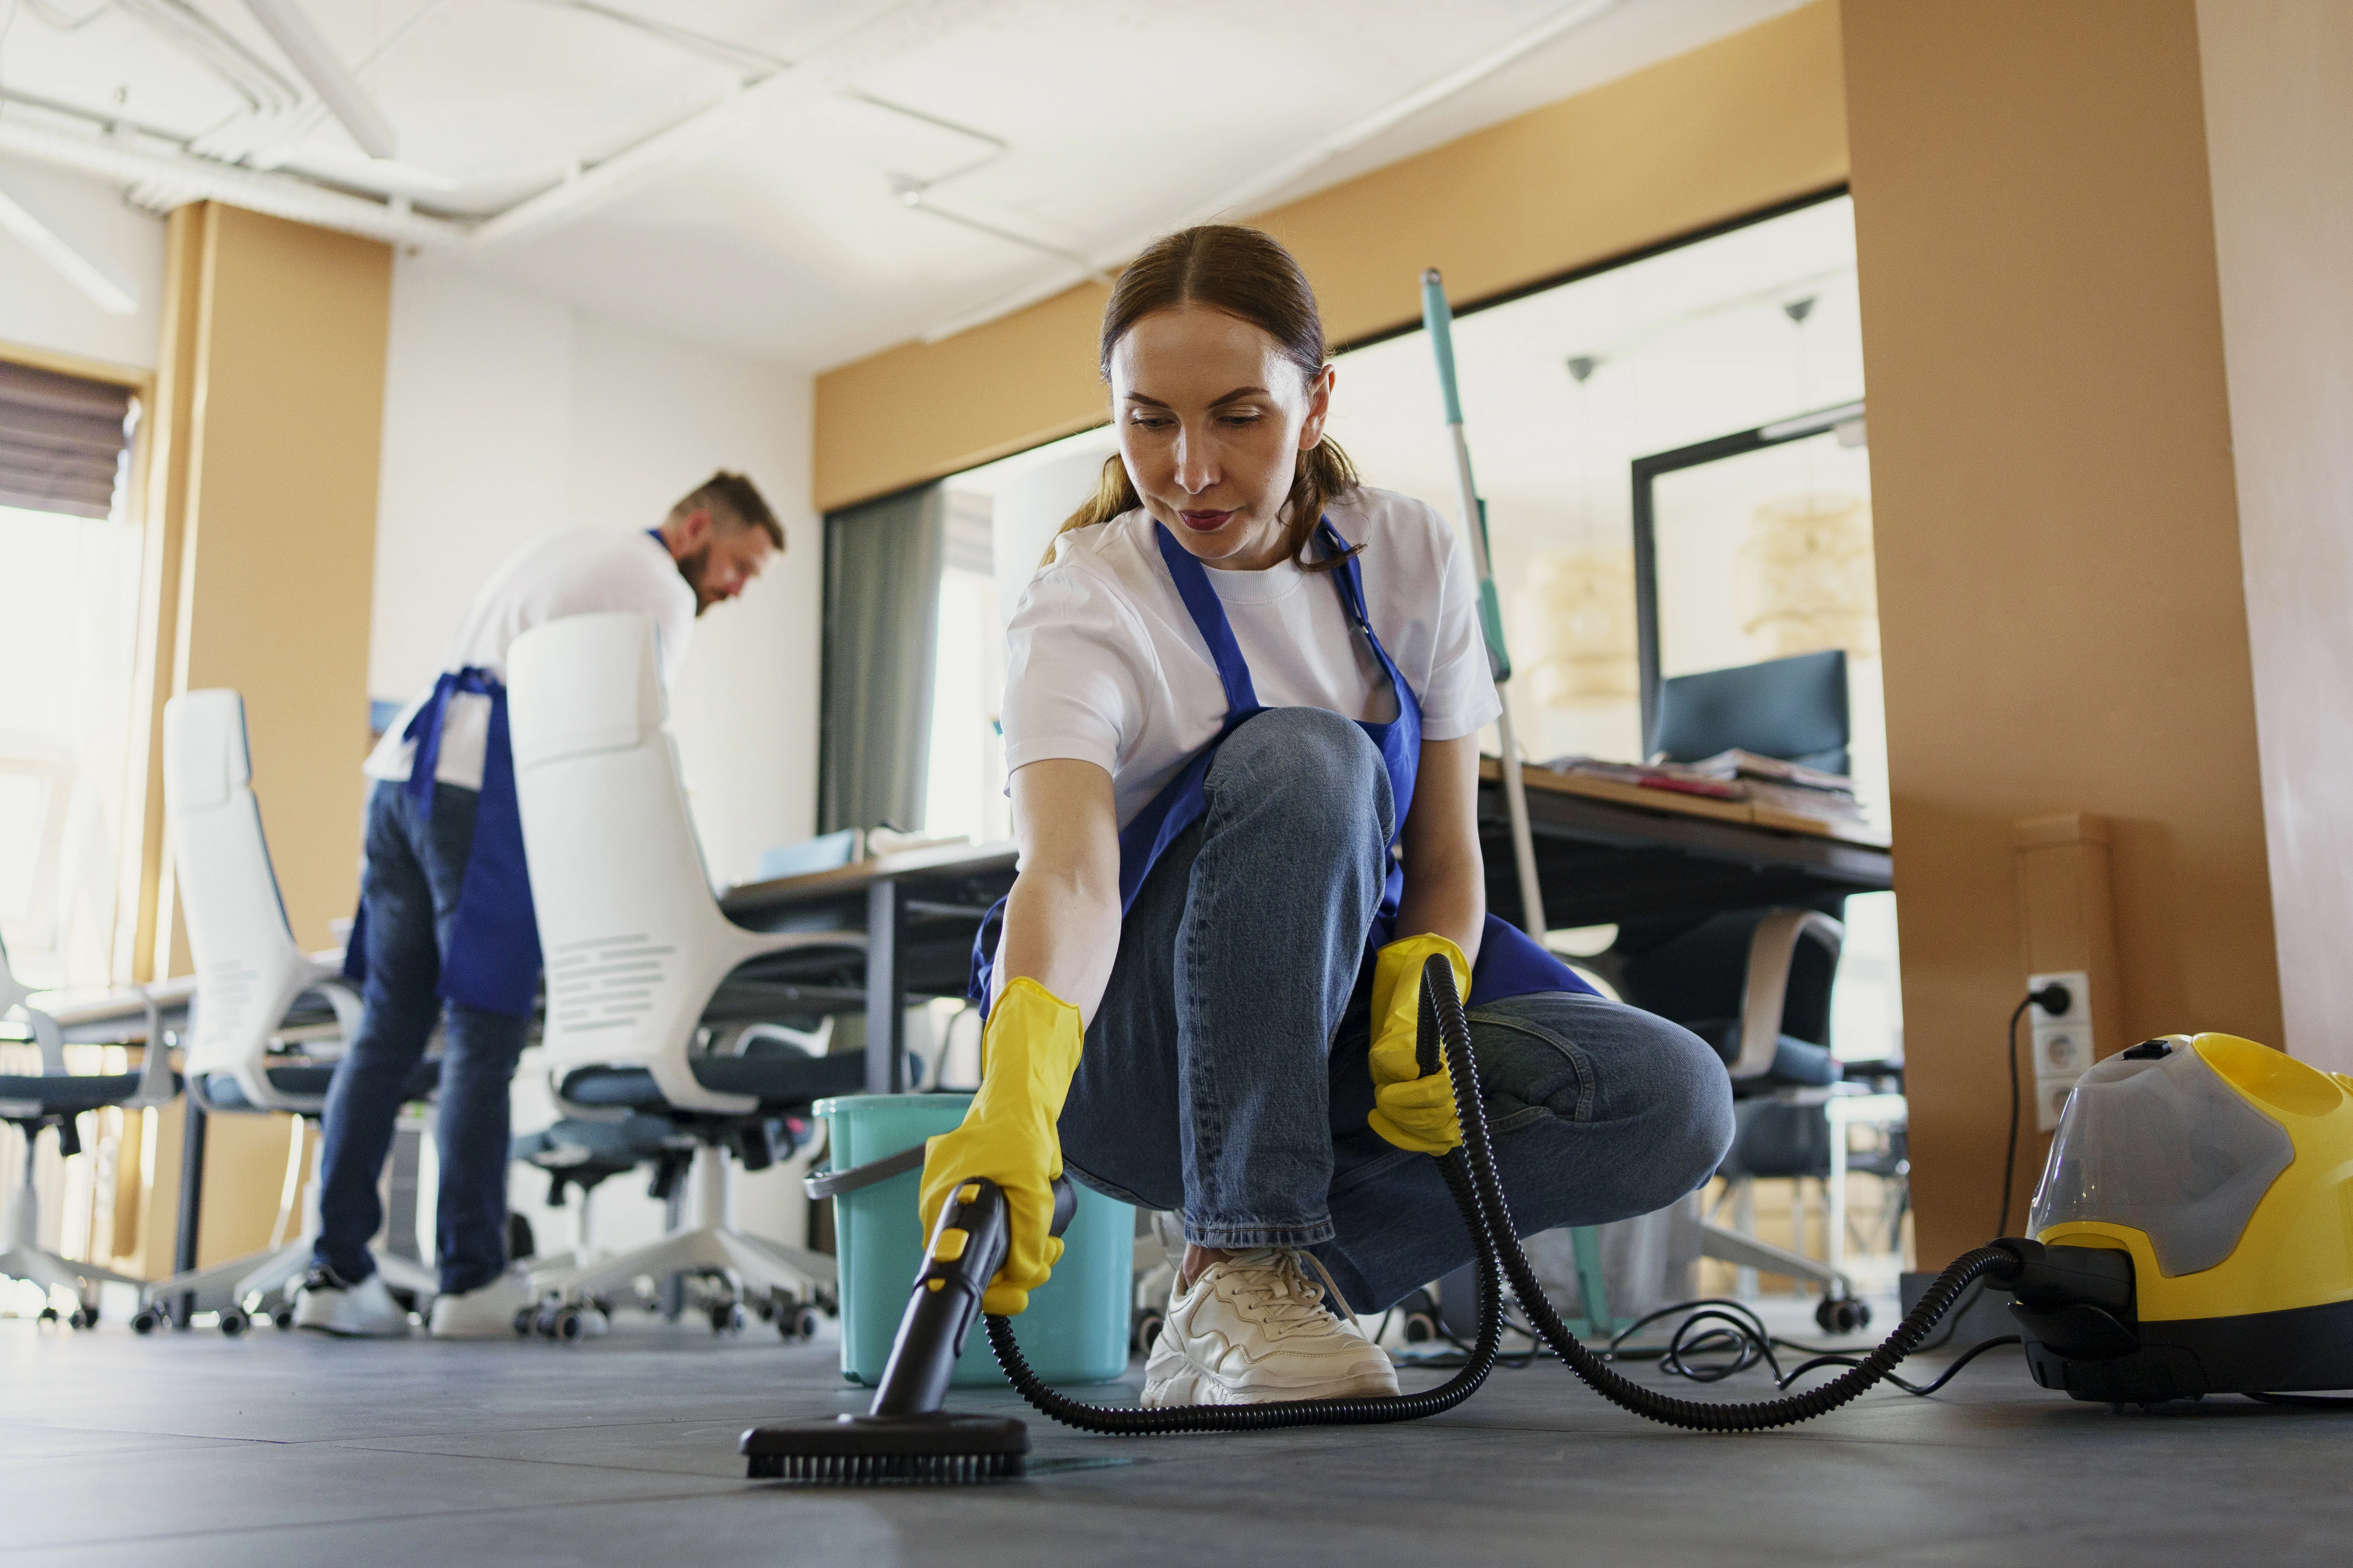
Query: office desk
pixel 1607 852
pixel 1600 857
pixel 919 910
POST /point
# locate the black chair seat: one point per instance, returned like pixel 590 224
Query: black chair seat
pixel 1778 1140
pixel 575 1143
pixel 74 1093
pixel 776 1079
pixel 223 1093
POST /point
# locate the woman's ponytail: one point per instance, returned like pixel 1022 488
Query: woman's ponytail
pixel 1114 494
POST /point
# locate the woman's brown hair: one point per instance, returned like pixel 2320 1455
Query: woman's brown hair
pixel 1250 276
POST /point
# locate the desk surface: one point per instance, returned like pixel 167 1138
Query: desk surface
pixel 933 864
pixel 1676 803
pixel 1607 852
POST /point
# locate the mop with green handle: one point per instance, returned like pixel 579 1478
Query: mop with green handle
pixel 1440 319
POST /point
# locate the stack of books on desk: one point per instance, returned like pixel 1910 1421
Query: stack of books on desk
pixel 1767 783
pixel 1785 786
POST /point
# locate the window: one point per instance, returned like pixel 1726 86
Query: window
pixel 964 791
pixel 69 589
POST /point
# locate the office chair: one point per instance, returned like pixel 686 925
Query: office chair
pixel 1755 984
pixel 267 1016
pixel 654 998
pixel 57 1098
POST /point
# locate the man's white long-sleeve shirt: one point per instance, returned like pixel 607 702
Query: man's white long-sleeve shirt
pixel 570 572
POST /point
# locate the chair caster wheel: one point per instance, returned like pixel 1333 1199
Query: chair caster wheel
pixel 727 1317
pixel 1420 1328
pixel 1146 1329
pixel 575 1324
pixel 282 1320
pixel 524 1318
pixel 797 1324
pixel 1841 1315
pixel 234 1322
pixel 46 1315
pixel 147 1321
pixel 82 1317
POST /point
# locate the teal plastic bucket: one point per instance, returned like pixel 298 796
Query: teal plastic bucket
pixel 1076 1330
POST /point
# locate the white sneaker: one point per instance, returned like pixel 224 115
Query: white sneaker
pixel 485 1313
pixel 332 1305
pixel 1253 1328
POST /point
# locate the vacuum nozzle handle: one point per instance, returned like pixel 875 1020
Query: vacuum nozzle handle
pixel 1429 1045
pixel 967 1247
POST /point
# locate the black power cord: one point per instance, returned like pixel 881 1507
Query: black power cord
pixel 2054 999
pixel 1470 1172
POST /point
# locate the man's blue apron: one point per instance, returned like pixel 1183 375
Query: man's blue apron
pixel 1510 963
pixel 491 958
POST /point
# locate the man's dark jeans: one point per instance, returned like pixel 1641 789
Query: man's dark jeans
pixel 416 865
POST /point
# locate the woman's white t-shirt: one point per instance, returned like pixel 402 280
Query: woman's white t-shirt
pixel 1105 666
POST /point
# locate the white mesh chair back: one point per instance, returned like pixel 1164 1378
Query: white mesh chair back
pixel 633 940
pixel 249 967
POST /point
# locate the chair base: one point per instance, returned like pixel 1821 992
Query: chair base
pixel 265 1282
pixel 51 1272
pixel 1728 1246
pixel 755 1262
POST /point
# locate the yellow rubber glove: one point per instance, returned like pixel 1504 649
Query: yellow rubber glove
pixel 1027 1055
pixel 1408 1110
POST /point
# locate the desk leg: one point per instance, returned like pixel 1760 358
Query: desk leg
pixel 886 998
pixel 1834 1195
pixel 192 1199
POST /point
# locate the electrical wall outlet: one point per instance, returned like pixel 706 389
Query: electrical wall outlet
pixel 2062 1043
pixel 2062 1052
pixel 2079 998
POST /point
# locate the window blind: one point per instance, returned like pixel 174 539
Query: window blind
pixel 61 441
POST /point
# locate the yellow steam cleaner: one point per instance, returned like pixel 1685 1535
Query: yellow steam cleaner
pixel 2200 1196
pixel 2193 1234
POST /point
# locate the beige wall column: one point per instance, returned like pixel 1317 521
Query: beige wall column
pixel 284 377
pixel 261 559
pixel 2279 120
pixel 2057 533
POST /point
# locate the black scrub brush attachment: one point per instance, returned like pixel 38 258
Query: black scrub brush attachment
pixel 905 1437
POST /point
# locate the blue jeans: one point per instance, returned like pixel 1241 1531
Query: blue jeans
pixel 1225 1075
pixel 416 865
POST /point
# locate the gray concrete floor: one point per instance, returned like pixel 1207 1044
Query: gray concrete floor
pixel 191 1449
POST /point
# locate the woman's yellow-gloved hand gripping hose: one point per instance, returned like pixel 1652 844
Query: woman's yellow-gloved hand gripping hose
pixel 1408 1110
pixel 1027 1054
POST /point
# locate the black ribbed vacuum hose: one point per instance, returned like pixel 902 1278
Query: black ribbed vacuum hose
pixel 1470 1174
pixel 1365 1410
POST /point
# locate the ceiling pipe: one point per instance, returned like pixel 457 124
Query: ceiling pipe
pixel 830 68
pixel 171 178
pixel 339 90
pixel 1238 200
pixel 95 281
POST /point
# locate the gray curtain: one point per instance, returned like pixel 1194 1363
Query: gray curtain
pixel 61 441
pixel 883 565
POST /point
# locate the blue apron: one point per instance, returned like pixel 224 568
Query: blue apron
pixel 1510 963
pixel 490 960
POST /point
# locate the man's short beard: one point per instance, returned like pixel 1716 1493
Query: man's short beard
pixel 693 568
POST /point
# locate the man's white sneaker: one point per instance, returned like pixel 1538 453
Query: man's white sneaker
pixel 485 1313
pixel 332 1305
pixel 1253 1328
